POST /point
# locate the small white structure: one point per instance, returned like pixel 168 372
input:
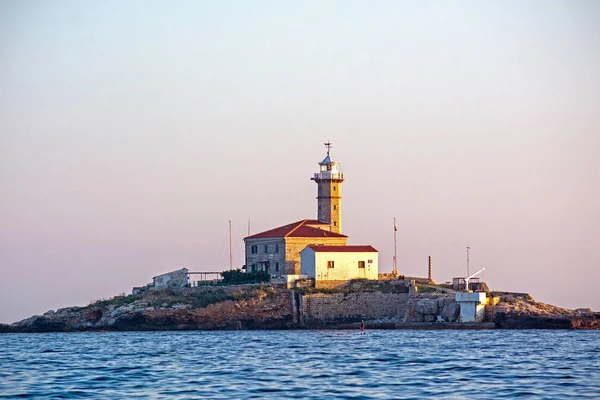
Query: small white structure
pixel 179 278
pixel 472 306
pixel 339 263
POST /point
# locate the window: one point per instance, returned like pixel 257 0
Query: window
pixel 335 207
pixel 334 223
pixel 334 188
pixel 361 264
pixel 276 267
pixel 254 249
pixel 329 264
pixel 266 248
pixel 276 248
pixel 253 267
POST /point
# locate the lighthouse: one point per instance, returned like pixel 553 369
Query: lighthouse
pixel 329 192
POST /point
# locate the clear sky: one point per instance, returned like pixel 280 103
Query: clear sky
pixel 132 131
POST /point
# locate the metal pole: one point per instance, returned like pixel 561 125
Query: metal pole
pixel 395 265
pixel 468 248
pixel 230 259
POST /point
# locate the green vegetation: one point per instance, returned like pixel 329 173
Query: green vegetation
pixel 236 277
pixel 196 300
pixel 117 300
pixel 430 288
pixel 207 296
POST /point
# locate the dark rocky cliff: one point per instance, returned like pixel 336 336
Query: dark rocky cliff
pixel 522 312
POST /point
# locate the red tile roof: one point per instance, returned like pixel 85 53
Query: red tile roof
pixel 344 249
pixel 298 229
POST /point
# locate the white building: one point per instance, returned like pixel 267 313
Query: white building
pixel 472 306
pixel 339 263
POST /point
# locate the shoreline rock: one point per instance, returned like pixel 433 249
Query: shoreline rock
pixel 265 307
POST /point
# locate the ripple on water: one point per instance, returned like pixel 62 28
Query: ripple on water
pixel 301 364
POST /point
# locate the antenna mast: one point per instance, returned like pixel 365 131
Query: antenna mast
pixel 468 248
pixel 230 259
pixel 395 263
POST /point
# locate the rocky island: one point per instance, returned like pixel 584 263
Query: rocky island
pixel 380 304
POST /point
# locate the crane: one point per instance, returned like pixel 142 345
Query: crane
pixel 469 277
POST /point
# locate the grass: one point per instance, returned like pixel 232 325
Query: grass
pixel 116 301
pixel 429 288
pixel 199 299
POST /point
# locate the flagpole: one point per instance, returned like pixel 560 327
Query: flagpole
pixel 395 266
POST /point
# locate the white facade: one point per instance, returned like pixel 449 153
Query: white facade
pixel 339 263
pixel 472 306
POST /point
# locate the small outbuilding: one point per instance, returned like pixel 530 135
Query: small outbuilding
pixel 179 278
pixel 339 263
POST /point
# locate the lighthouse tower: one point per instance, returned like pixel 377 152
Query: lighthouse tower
pixel 329 193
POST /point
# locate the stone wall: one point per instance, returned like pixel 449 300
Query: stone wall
pixel 328 308
pixel 428 307
pixel 321 284
pixel 177 278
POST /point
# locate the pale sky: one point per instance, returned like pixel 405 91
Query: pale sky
pixel 132 131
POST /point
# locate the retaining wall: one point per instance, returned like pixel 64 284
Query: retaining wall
pixel 329 308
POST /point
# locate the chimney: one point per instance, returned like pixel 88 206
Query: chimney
pixel 429 278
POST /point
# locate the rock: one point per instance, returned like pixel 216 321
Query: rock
pixel 525 313
pixel 67 310
pixel 428 318
pixel 93 315
pixel 40 323
pixel 427 306
pixel 441 303
pixel 453 312
pixel 49 313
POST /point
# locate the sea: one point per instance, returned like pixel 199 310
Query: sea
pixel 303 364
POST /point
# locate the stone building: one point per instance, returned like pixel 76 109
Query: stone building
pixel 339 263
pixel 277 251
pixel 179 278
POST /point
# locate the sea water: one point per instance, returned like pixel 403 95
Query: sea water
pixel 309 364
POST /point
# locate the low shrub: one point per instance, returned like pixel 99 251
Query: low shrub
pixel 116 301
pixel 237 277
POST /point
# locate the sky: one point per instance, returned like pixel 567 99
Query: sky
pixel 131 132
